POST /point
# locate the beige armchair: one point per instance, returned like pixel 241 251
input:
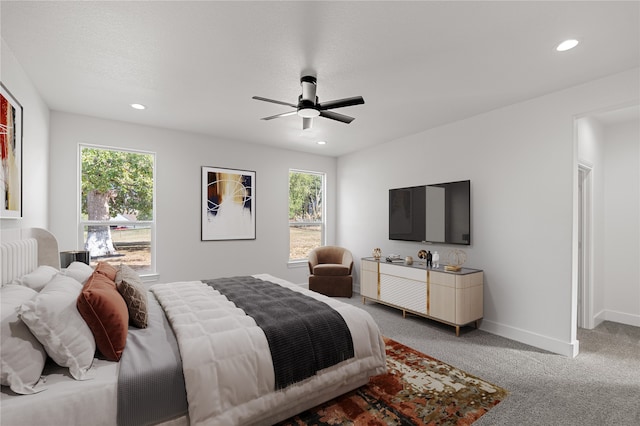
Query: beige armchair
pixel 330 270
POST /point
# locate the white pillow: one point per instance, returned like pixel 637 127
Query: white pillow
pixel 38 278
pixel 54 319
pixel 22 356
pixel 79 271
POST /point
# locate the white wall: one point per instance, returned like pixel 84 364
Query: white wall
pixel 622 223
pixel 35 143
pixel 179 157
pixel 523 169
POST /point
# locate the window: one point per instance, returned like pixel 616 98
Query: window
pixel 306 213
pixel 117 219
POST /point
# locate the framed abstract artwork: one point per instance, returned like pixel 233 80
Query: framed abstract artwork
pixel 228 204
pixel 10 155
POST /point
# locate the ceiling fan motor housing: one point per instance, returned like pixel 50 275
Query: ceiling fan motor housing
pixel 308 84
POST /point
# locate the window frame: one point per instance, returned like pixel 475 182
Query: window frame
pixel 152 273
pixel 323 224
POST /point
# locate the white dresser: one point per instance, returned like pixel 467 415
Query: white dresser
pixel 454 298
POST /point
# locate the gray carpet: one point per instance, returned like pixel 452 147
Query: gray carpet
pixel 601 386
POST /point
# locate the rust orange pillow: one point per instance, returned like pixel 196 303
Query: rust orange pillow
pixel 107 269
pixel 106 314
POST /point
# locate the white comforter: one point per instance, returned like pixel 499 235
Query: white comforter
pixel 227 363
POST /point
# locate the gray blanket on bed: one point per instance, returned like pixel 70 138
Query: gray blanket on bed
pixel 305 335
pixel 151 385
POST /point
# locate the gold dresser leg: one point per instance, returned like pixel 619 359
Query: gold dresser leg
pixel 457 331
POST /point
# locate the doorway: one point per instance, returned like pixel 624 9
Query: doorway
pixel 585 251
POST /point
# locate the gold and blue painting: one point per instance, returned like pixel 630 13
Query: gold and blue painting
pixel 228 204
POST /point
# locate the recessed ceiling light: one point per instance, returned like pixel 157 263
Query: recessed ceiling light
pixel 567 45
pixel 322 142
pixel 138 106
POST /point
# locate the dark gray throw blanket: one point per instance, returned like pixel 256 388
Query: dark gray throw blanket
pixel 305 335
pixel 150 383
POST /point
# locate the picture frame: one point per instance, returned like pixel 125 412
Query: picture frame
pixel 228 204
pixel 10 155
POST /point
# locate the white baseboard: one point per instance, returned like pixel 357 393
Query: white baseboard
pixel 598 319
pixel 569 349
pixel 615 316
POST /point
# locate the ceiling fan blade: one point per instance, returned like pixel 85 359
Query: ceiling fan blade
pixel 259 98
pixel 356 100
pixel 284 114
pixel 335 116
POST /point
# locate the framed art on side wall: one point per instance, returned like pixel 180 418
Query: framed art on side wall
pixel 10 155
pixel 228 204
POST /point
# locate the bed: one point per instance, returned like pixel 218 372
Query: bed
pixel 218 364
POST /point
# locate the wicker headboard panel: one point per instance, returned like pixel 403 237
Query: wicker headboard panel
pixel 23 250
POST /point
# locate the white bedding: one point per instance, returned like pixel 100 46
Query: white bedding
pixel 65 401
pixel 227 363
pixel 94 402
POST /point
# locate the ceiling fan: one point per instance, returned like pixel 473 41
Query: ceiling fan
pixel 309 107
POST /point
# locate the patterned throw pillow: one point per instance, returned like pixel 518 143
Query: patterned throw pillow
pixel 134 294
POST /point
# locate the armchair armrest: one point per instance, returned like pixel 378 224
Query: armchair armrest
pixel 312 261
pixel 347 260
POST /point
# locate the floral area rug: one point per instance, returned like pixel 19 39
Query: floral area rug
pixel 416 390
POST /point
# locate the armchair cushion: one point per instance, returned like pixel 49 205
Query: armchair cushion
pixel 330 270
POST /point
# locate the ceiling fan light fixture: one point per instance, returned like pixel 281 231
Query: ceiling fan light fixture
pixel 308 112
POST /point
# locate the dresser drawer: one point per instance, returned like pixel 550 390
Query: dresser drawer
pixel 403 272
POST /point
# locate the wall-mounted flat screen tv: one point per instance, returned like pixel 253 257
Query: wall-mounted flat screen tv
pixel 439 213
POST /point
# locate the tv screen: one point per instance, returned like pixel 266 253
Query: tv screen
pixel 439 213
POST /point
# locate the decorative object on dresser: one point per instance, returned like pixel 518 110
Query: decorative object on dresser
pixel 454 298
pixel 377 253
pixel 456 258
pixel 330 270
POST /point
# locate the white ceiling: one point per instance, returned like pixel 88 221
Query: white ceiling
pixel 418 65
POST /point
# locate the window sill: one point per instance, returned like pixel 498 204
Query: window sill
pixel 150 278
pixel 293 264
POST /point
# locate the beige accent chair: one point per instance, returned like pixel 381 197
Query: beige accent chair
pixel 330 270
